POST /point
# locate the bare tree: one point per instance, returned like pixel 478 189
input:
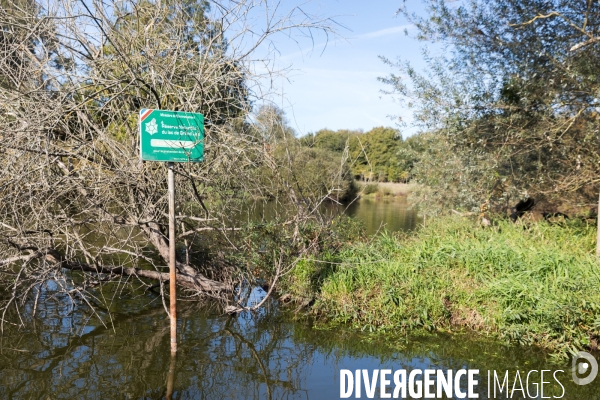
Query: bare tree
pixel 74 195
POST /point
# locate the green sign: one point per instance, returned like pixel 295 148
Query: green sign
pixel 173 136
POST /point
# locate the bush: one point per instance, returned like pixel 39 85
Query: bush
pixel 371 188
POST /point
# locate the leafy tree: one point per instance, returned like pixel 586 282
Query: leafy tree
pixel 272 125
pixel 514 105
pixel 373 153
pixel 335 141
pixel 313 168
pixel 315 174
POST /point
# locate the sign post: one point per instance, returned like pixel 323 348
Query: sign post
pixel 171 136
pixel 172 261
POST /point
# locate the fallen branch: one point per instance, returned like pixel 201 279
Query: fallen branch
pixel 195 281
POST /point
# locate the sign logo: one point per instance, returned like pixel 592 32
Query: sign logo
pixel 582 363
pixel 171 136
pixel 151 127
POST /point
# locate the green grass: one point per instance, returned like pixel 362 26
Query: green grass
pixel 536 285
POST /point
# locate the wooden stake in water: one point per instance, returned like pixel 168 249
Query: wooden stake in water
pixel 171 377
pixel 172 265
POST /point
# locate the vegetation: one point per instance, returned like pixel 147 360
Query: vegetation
pixel 529 284
pixel 315 173
pixel 512 109
pixel 379 155
pixel 77 206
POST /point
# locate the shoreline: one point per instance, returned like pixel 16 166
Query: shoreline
pixel 379 190
pixel 532 285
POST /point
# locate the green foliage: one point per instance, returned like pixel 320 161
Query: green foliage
pixel 452 177
pixel 370 188
pixel 306 279
pixel 335 141
pixel 313 173
pixel 374 156
pixel 264 246
pixel 534 286
pixel 514 106
pixel 374 152
pixel 311 168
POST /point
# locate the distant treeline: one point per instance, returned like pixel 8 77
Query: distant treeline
pixel 327 162
pixel 379 155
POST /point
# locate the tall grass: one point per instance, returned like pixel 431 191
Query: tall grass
pixel 535 285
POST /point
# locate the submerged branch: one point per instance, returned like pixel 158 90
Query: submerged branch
pixel 196 281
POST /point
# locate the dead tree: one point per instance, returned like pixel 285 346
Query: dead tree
pixel 74 195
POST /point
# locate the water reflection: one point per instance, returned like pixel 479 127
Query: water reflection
pixel 171 376
pixel 250 356
pixel 393 215
pixel 376 215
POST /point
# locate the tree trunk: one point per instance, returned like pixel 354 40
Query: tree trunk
pixel 185 273
pixel 186 279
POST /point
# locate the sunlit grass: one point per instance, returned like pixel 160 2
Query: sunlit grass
pixel 534 285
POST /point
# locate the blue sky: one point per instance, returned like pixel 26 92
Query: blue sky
pixel 334 85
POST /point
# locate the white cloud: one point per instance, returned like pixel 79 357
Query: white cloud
pixel 384 32
pixel 322 46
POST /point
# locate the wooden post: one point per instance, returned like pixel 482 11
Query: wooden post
pixel 172 264
pixel 171 376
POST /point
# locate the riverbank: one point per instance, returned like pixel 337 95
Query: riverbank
pixel 379 190
pixel 533 285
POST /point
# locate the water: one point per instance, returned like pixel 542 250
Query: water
pixel 65 352
pixel 393 215
pixel 67 355
pixel 376 215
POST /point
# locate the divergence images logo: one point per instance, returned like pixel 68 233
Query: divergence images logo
pixel 152 127
pixel 582 363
